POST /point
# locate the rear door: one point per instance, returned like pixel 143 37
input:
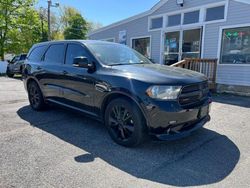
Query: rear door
pixel 52 72
pixel 78 88
pixel 19 63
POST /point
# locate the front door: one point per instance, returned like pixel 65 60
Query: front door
pixel 79 87
pixel 182 44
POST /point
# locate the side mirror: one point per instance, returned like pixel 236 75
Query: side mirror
pixel 83 62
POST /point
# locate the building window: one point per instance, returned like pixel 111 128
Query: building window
pixel 235 47
pixel 142 45
pixel 191 17
pixel 174 20
pixel 215 13
pixel 156 23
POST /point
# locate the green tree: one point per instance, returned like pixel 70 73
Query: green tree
pixel 77 28
pixel 20 26
pixel 94 26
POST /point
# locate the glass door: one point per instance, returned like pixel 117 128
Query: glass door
pixel 182 44
pixel 172 48
pixel 191 45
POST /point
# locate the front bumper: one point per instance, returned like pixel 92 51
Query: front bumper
pixel 167 120
pixel 184 132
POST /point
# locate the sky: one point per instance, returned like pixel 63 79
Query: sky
pixel 105 11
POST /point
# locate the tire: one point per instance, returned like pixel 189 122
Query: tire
pixel 125 122
pixel 9 74
pixel 35 97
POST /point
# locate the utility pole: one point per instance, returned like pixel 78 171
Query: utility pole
pixel 49 6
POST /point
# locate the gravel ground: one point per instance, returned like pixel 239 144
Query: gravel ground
pixel 60 148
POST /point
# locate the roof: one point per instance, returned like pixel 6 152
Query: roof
pixel 63 41
pixel 146 13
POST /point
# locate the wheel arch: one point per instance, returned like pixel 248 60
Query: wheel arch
pixel 115 95
pixel 33 79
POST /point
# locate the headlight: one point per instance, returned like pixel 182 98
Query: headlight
pixel 164 92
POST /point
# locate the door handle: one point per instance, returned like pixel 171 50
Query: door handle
pixel 65 72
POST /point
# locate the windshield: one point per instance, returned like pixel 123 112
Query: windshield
pixel 117 54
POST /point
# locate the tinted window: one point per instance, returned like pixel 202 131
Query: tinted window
pixel 174 20
pixel 55 54
pixel 215 13
pixel 156 23
pixel 75 50
pixel 37 53
pixel 191 17
pixel 23 57
pixel 116 54
pixel 15 59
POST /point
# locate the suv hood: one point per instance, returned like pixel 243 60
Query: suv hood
pixel 159 74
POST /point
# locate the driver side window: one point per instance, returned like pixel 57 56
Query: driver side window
pixel 15 59
pixel 75 50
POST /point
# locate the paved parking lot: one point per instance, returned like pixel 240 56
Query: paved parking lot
pixel 58 148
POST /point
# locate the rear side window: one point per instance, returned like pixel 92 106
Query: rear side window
pixel 37 53
pixel 75 50
pixel 23 57
pixel 55 54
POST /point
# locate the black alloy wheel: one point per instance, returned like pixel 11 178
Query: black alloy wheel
pixel 125 122
pixel 35 96
pixel 9 74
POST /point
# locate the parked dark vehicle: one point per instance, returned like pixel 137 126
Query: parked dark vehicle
pixel 15 66
pixel 118 86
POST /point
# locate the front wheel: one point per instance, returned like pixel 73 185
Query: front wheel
pixel 125 122
pixel 35 96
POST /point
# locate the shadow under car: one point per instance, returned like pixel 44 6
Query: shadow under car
pixel 205 157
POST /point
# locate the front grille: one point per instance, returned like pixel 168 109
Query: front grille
pixel 194 94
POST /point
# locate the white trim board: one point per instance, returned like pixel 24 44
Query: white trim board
pixel 106 39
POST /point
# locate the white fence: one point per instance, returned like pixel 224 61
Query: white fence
pixel 3 66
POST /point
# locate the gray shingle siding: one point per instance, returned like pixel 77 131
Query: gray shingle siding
pixel 238 13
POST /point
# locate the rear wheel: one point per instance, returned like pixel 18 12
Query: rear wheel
pixel 9 74
pixel 125 122
pixel 35 97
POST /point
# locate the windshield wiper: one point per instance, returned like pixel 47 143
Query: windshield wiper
pixel 116 64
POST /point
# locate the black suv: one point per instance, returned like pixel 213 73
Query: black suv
pixel 118 86
pixel 15 66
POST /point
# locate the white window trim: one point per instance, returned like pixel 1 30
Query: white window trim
pixel 166 22
pixel 202 23
pixel 153 17
pixel 106 39
pixel 202 10
pixel 220 43
pixel 214 6
pixel 181 29
pixel 141 37
pixel 190 12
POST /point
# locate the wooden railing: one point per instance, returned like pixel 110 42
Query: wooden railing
pixel 205 66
